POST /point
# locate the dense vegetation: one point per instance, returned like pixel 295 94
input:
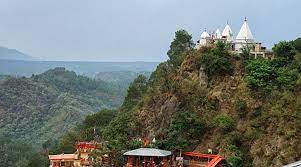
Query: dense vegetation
pixel 39 109
pixel 17 153
pixel 249 110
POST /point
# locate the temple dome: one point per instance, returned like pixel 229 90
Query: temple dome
pixel 205 35
pixel 227 32
pixel 245 34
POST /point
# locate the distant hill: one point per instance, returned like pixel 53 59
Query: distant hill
pixel 13 54
pixel 120 79
pixel 46 106
pixel 90 69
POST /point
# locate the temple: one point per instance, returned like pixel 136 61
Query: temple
pixel 244 39
pixel 81 158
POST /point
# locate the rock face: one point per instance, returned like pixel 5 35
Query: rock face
pixel 203 78
pixel 156 118
pixel 263 130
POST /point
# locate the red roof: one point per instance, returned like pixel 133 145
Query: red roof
pixel 62 157
pixel 214 159
pixel 89 145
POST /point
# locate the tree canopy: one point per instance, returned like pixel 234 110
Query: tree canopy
pixel 181 44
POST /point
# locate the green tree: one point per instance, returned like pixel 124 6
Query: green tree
pixel 186 128
pixel 224 122
pixel 66 143
pixel 260 74
pixel 284 51
pixel 97 122
pixel 218 61
pixel 181 44
pixel 286 78
pixel 297 44
pixel 161 77
pixel 135 92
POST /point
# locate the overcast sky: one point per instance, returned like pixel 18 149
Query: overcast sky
pixel 134 30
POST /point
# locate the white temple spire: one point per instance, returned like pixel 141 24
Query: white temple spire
pixel 218 34
pixel 227 32
pixel 245 33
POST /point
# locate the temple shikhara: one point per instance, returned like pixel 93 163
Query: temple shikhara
pixel 244 39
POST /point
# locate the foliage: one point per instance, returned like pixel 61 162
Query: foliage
pixel 240 107
pixel 236 159
pixel 161 77
pixel 297 44
pixel 180 45
pixel 218 61
pixel 66 143
pixel 286 78
pixel 135 91
pixel 48 105
pixel 224 123
pixel 284 50
pixel 18 153
pixel 263 74
pixel 260 74
pixel 185 129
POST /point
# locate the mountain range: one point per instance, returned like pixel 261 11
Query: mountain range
pixel 13 54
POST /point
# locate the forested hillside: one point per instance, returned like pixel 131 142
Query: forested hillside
pixel 120 79
pixel 45 106
pixel 246 109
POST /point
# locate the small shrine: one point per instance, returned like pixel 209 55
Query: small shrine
pixel 148 157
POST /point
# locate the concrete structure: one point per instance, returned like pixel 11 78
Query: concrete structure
pixel 148 157
pixel 81 158
pixel 295 164
pixel 244 39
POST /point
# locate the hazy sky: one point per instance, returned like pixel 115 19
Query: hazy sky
pixel 134 30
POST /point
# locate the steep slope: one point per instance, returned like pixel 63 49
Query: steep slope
pixel 48 105
pixel 249 125
pixel 245 109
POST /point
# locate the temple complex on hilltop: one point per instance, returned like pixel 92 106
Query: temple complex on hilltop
pixel 243 39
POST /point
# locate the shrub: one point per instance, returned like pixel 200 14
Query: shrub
pixel 285 50
pixel 286 78
pixel 235 161
pixel 240 107
pixel 217 62
pixel 185 128
pixel 224 122
pixel 260 74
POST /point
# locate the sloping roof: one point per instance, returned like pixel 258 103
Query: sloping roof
pixel 63 156
pixel 245 33
pixel 148 152
pixel 227 32
pixel 295 164
pixel 205 35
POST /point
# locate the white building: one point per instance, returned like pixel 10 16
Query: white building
pixel 243 39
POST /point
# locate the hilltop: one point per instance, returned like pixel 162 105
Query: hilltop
pixel 243 108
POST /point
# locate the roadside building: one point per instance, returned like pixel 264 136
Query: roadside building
pixel 81 158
